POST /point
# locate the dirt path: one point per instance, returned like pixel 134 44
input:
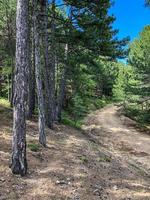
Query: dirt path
pixel 120 136
pixel 108 160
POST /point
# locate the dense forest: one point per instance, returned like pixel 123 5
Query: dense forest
pixel 61 60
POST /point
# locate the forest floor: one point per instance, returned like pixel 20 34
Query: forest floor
pixel 109 159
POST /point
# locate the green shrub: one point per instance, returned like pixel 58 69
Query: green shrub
pixel 34 147
pixel 136 113
pixel 67 120
pixel 4 102
pixel 84 159
pixel 104 159
pixel 79 108
pixel 100 103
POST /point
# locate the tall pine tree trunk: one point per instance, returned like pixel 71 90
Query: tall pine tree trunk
pixel 48 86
pixel 19 162
pixel 49 64
pixel 38 74
pixel 53 57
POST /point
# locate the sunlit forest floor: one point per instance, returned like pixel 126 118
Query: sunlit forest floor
pixel 108 159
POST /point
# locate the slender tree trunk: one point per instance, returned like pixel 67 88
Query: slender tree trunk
pixel 11 52
pixel 53 57
pixel 31 92
pixel 63 82
pixel 1 81
pixel 31 76
pixel 49 65
pixel 62 87
pixel 48 87
pixel 42 135
pixel 61 94
pixel 19 162
pixel 56 87
pixel 12 85
pixel 8 81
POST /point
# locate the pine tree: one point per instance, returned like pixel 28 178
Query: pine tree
pixel 19 162
pixel 147 3
pixel 38 75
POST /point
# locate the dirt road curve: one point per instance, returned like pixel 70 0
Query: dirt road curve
pixel 107 160
pixel 117 134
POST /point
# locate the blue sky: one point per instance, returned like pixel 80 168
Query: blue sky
pixel 131 17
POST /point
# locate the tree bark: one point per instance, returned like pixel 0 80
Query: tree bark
pixel 48 74
pixel 38 74
pixel 53 57
pixel 12 86
pixel 31 92
pixel 31 75
pixel 19 162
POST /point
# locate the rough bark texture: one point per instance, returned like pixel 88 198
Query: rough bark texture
pixel 49 103
pixel 19 162
pixel 31 78
pixel 42 136
pixel 52 66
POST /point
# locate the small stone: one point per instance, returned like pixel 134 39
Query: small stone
pixel 115 187
pixel 76 197
pixel 96 192
pixel 61 182
pixel 2 180
pixel 99 187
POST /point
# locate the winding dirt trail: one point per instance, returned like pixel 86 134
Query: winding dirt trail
pixel 127 145
pixel 119 134
pixel 107 160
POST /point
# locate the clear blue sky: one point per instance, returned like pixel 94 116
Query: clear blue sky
pixel 131 17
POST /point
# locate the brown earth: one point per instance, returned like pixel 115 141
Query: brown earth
pixel 108 160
